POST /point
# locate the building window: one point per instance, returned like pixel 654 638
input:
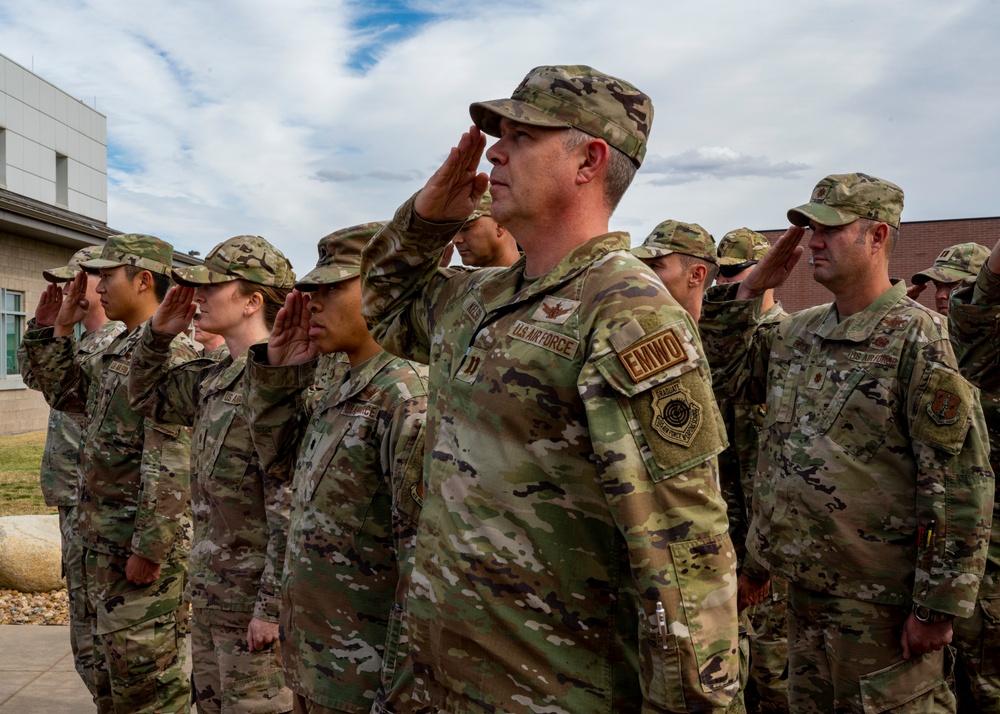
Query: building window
pixel 12 317
pixel 62 180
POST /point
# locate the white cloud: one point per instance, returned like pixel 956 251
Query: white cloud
pixel 715 162
pixel 257 116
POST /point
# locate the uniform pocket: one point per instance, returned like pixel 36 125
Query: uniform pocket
pixel 902 682
pixel 991 636
pixel 860 415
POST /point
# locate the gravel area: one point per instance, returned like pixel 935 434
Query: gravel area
pixel 18 608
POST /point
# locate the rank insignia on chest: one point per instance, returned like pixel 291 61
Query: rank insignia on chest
pixel 232 398
pixel 471 364
pixel 676 415
pixel 944 409
pixel 555 310
pixel 119 367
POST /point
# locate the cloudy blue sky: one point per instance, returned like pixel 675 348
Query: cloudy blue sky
pixel 291 119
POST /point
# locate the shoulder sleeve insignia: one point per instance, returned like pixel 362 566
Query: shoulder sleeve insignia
pixel 653 354
pixel 944 409
pixel 677 416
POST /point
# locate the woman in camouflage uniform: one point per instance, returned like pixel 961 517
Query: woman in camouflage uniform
pixel 240 511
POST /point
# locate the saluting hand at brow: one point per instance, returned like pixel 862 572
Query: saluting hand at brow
pixel 775 267
pixel 289 342
pixel 175 313
pixel 453 192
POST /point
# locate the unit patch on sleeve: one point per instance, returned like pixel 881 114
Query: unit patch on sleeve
pixel 555 310
pixel 653 354
pixel 676 415
pixel 944 409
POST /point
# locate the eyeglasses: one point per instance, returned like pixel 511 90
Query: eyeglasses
pixel 730 271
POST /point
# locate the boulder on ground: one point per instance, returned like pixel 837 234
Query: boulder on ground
pixel 30 554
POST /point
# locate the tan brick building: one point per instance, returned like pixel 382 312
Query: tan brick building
pixel 920 242
pixel 53 201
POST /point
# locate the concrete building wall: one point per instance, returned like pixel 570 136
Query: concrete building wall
pixel 54 147
pixel 920 242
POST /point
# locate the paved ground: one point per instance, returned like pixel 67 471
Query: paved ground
pixel 37 674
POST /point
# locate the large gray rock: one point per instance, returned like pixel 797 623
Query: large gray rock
pixel 30 559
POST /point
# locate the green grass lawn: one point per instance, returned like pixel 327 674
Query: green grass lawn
pixel 20 460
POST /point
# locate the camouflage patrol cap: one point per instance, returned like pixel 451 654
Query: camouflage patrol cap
pixel 69 271
pixel 484 208
pixel 742 246
pixel 249 258
pixel 955 263
pixel 840 199
pixel 339 256
pixel 575 96
pixel 142 251
pixel 676 237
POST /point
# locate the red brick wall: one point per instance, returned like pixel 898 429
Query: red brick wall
pixel 920 242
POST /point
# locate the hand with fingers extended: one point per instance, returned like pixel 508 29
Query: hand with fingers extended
pixel 775 267
pixel 453 192
pixel 289 343
pixel 74 306
pixel 913 292
pixel 175 313
pixel 48 306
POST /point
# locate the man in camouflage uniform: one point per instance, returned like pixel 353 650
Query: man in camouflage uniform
pixel 60 473
pixel 955 264
pixel 484 243
pixel 572 490
pixel 873 489
pixel 357 450
pixel 972 320
pixel 765 678
pixel 134 500
pixel 683 257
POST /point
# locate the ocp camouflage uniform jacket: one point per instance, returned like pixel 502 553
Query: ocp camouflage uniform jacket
pixel 357 449
pixel 240 511
pixel 60 472
pixel 571 482
pixel 973 319
pixel 738 462
pixel 135 495
pixel 873 481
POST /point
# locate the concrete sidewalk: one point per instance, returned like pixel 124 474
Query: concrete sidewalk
pixel 37 674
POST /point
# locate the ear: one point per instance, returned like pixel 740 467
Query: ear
pixel 500 230
pixel 594 156
pixel 880 237
pixel 143 281
pixel 253 303
pixel 697 275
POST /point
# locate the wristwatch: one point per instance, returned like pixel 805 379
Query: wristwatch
pixel 924 614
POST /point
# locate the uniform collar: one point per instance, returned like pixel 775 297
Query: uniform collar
pixel 507 286
pixel 860 326
pixel 359 377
